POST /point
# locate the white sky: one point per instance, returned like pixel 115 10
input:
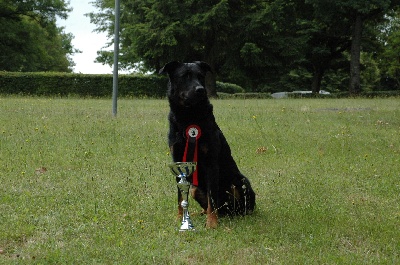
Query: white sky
pixel 85 39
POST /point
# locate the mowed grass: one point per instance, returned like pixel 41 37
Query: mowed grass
pixel 326 173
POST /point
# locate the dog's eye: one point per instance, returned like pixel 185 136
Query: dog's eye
pixel 185 76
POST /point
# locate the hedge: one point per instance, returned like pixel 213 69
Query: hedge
pixel 378 94
pixel 88 85
pixel 65 84
pixel 135 85
pixel 244 95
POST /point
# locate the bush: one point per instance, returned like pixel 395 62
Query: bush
pixel 89 85
pixel 228 88
pixel 64 84
pixel 309 95
pixel 381 94
pixel 244 95
pixel 369 94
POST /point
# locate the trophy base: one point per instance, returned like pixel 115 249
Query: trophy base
pixel 186 226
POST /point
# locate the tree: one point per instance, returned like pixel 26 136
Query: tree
pixel 356 13
pixel 30 39
pixel 243 41
pixel 326 38
pixel 389 59
pixel 264 45
pixel 261 45
pixel 156 32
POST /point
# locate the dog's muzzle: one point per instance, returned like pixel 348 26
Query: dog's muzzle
pixel 200 90
pixel 193 96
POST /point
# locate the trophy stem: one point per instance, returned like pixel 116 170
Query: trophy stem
pixel 186 221
pixel 184 187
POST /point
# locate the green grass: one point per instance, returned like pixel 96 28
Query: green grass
pixel 326 173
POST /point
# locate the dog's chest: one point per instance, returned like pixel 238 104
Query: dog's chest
pixel 207 142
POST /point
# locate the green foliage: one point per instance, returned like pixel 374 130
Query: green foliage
pixel 65 84
pixel 247 95
pixel 325 172
pixel 235 37
pixel 390 57
pixel 261 45
pixel 166 27
pixel 371 74
pixel 229 88
pixel 30 39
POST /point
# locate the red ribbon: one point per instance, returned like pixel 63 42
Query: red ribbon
pixel 193 133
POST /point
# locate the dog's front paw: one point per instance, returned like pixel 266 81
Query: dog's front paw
pixel 212 220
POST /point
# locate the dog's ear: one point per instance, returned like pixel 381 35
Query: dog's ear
pixel 204 66
pixel 170 67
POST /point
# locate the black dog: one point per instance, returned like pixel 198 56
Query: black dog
pixel 220 188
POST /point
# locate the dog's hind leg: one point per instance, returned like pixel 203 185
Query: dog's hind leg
pixel 212 196
pixel 212 216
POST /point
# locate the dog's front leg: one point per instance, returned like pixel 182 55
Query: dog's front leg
pixel 212 192
pixel 180 209
pixel 175 149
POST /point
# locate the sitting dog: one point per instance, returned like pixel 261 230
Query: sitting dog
pixel 218 186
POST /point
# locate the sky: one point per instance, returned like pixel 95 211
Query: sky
pixel 85 40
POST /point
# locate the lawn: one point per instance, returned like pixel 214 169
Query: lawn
pixel 78 186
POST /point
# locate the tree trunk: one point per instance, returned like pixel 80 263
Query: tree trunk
pixel 354 87
pixel 317 79
pixel 211 80
pixel 211 85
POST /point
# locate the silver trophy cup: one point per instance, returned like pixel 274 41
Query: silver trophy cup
pixel 183 170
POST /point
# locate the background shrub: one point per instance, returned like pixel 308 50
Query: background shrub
pixel 229 88
pixel 64 84
pixel 89 85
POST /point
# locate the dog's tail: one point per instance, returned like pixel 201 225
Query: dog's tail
pixel 249 196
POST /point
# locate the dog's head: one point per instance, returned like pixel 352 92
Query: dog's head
pixel 187 82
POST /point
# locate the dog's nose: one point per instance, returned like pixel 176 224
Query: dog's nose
pixel 200 90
